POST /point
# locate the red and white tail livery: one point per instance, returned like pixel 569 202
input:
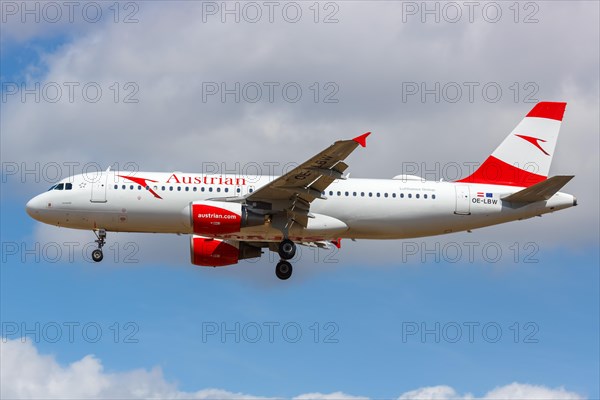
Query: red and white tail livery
pixel 524 157
pixel 231 217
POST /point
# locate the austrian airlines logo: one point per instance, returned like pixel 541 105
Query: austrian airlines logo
pixel 534 141
pixel 142 182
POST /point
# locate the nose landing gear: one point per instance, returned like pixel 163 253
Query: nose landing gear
pixel 97 254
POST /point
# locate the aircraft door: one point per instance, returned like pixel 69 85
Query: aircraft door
pixel 99 188
pixel 463 206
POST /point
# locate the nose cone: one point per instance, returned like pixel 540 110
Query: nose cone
pixel 34 207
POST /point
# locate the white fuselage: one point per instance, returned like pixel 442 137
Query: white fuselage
pixel 397 208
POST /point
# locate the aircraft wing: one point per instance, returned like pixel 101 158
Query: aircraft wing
pixel 294 191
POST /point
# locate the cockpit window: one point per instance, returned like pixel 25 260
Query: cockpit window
pixel 61 186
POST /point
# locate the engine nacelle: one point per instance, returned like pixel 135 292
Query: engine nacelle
pixel 219 253
pixel 219 217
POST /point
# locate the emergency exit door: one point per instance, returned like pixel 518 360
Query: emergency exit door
pixel 463 205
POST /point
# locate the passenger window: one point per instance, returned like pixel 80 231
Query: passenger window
pixel 226 190
pixel 346 194
pixel 163 188
pixel 139 187
pixel 331 192
pixel 354 194
pixel 394 195
pixel 123 187
pixel 410 196
pixel 401 195
pixel 195 189
pixel 116 186
pixel 370 194
pixel 433 196
pixel 339 193
pixel 187 188
pixel 362 194
pixel 202 190
pixel 218 189
pixel 385 195
pixel 171 188
pixel 251 190
pixel 417 195
pixel 238 190
pixel 378 194
pixel 425 196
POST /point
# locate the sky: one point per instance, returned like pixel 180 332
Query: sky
pixel 510 312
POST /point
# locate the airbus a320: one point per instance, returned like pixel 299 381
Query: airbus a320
pixel 231 217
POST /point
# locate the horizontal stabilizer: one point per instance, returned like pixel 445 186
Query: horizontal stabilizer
pixel 540 191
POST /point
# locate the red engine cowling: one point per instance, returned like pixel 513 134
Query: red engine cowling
pixel 217 217
pixel 218 253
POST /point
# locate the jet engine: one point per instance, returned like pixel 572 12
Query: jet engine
pixel 219 253
pixel 218 217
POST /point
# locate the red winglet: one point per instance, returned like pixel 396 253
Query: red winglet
pixel 362 139
pixel 337 243
pixel 548 109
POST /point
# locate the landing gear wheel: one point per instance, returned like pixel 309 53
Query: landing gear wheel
pixel 97 255
pixel 283 270
pixel 287 249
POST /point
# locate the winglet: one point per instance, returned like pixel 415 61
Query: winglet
pixel 362 139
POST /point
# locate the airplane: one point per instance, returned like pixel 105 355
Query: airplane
pixel 232 217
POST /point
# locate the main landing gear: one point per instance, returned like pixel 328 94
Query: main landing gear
pixel 283 270
pixel 286 250
pixel 97 255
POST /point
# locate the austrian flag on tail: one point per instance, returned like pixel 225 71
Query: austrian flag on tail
pixel 524 157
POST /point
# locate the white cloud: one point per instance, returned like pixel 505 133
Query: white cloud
pixel 26 374
pixel 518 391
pixel 329 396
pixel 513 391
pixel 441 392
